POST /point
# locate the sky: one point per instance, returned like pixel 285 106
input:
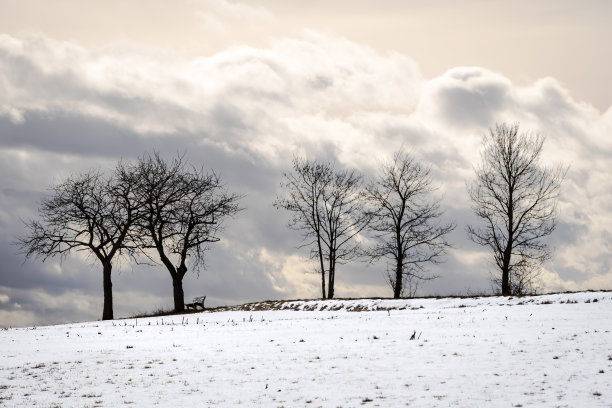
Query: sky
pixel 241 87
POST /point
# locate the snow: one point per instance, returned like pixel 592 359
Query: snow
pixel 553 350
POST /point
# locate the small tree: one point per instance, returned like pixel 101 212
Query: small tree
pixel 184 213
pixel 87 212
pixel 405 222
pixel 515 198
pixel 326 206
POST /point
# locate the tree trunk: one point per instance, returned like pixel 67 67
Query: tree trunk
pixel 505 282
pixel 506 271
pixel 322 266
pixel 179 295
pixel 107 313
pixel 399 278
pixel 323 283
pixel 506 279
pixel 508 250
pixel 332 275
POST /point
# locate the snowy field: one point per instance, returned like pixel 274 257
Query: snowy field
pixel 544 351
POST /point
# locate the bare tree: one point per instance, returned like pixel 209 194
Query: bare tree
pixel 405 222
pixel 87 212
pixel 185 209
pixel 326 206
pixel 515 198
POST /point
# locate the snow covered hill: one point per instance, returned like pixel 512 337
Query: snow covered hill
pixel 552 350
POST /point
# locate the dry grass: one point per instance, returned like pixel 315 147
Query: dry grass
pixel 292 304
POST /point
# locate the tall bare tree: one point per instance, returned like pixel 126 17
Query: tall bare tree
pixel 326 205
pixel 515 198
pixel 185 209
pixel 405 222
pixel 87 212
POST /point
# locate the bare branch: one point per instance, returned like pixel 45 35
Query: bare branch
pixel 87 212
pixel 184 212
pixel 515 197
pixel 404 221
pixel 325 205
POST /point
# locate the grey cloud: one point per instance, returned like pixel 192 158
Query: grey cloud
pixel 320 82
pixel 27 308
pixel 231 270
pixel 569 233
pixel 43 276
pixel 69 134
pixel 471 96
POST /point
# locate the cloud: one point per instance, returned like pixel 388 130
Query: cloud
pixel 244 112
pixel 297 80
pixel 470 97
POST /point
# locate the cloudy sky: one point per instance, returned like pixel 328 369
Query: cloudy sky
pixel 242 86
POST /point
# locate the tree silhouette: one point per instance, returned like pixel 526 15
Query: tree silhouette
pixel 405 222
pixel 184 212
pixel 515 198
pixel 87 212
pixel 326 205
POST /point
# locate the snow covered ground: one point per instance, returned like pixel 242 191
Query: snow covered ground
pixel 553 350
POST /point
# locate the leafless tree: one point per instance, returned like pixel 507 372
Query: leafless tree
pixel 405 222
pixel 88 212
pixel 515 198
pixel 185 209
pixel 326 205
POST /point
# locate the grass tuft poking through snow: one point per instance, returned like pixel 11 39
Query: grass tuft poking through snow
pixel 551 350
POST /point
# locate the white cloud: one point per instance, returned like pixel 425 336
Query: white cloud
pixel 291 275
pixel 252 90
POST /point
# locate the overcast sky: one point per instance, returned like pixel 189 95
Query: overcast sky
pixel 242 87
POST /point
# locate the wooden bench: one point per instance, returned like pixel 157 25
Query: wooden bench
pixel 198 301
